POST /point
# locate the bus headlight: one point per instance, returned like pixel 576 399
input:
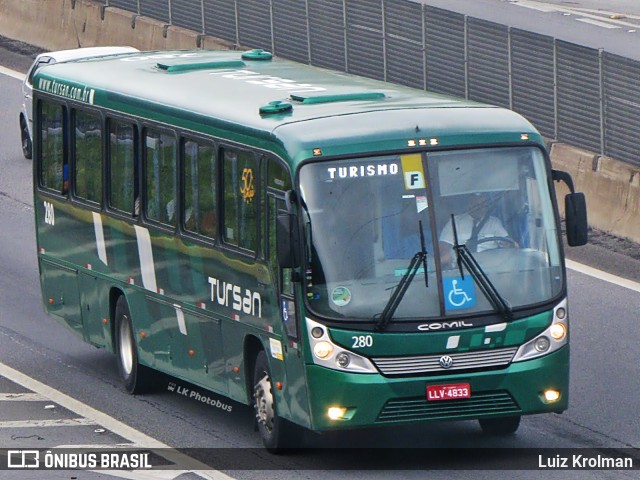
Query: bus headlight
pixel 558 331
pixel 552 339
pixel 333 356
pixel 323 350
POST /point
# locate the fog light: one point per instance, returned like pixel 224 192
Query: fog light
pixel 558 331
pixel 323 350
pixel 336 413
pixel 343 360
pixel 551 396
pixel 542 344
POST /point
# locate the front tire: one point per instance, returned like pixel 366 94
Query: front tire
pixel 27 146
pixel 136 377
pixel 500 426
pixel 276 433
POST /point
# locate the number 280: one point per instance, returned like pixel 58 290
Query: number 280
pixel 362 341
pixel 49 214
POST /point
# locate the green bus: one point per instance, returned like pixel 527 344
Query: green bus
pixel 336 251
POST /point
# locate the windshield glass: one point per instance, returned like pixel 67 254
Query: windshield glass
pixel 363 219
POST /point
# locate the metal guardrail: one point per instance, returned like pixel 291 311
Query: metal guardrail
pixel 577 95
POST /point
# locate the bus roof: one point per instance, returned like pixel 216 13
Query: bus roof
pixel 280 105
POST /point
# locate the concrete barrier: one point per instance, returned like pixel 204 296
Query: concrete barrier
pixel 63 24
pixel 612 187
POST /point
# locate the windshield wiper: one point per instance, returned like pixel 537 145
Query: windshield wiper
pixel 489 290
pixel 420 258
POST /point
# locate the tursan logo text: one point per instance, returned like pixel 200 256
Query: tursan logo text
pixel 430 327
pixel 230 295
pixel 80 94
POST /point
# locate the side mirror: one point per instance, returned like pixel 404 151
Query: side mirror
pixel 575 210
pixel 287 240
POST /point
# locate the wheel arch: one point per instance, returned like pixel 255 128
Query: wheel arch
pixel 114 295
pixel 252 346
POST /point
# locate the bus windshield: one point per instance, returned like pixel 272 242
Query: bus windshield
pixel 364 218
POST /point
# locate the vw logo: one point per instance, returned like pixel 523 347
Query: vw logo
pixel 446 361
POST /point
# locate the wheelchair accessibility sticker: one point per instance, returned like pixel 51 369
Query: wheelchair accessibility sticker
pixel 459 293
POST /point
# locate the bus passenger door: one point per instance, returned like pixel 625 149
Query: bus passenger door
pixel 296 391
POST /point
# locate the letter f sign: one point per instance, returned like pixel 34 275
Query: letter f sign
pixel 413 180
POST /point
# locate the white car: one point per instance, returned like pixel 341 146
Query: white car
pixel 49 58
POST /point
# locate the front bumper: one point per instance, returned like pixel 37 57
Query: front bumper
pixel 373 399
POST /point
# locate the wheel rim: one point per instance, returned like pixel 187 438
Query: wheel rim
pixel 264 403
pixel 126 346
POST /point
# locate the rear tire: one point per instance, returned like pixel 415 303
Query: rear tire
pixel 137 378
pixel 27 145
pixel 500 426
pixel 277 434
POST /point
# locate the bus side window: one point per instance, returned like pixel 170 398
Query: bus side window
pixel 240 183
pixel 87 142
pixel 52 147
pixel 160 177
pixel 199 187
pixel 122 168
pixel 282 277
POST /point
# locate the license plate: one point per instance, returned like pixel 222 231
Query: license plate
pixel 455 391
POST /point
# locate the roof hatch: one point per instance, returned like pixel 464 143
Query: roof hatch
pixel 189 66
pixel 338 97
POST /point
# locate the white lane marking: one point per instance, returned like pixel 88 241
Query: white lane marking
pixel 607 277
pixel 534 5
pixel 22 397
pixel 594 17
pixel 12 73
pixel 145 252
pixel 130 475
pixel 99 231
pixel 144 475
pixel 97 446
pixel 62 422
pixel 139 439
pixel 597 23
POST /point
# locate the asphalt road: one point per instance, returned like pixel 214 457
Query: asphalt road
pixel 604 384
pixel 585 22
